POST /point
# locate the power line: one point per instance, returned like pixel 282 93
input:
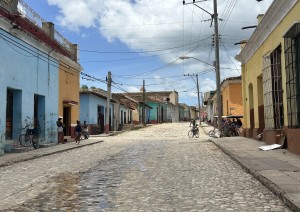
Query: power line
pixel 38 54
pixel 131 52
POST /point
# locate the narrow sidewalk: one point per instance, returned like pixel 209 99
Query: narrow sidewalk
pixel 278 170
pixel 11 158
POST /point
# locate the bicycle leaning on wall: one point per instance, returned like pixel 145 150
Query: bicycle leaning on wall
pixel 30 137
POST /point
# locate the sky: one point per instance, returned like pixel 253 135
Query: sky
pixel 140 40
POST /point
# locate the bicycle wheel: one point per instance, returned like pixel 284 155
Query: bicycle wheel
pixel 191 134
pixel 24 140
pixel 196 133
pixel 35 141
pixel 211 133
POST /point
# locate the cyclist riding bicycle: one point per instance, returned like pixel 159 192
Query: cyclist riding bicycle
pixel 195 128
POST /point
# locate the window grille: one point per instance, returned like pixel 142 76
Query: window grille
pixel 292 58
pixel 272 89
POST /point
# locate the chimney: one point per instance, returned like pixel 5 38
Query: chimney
pixel 259 18
pixel 74 50
pixel 48 28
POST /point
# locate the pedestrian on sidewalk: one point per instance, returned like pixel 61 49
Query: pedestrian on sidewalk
pixel 60 130
pixel 78 131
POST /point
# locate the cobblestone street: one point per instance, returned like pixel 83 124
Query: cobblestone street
pixel 157 168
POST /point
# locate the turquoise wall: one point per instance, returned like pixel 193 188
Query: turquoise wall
pixel 153 111
pixel 28 72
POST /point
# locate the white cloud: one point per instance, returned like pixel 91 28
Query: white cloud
pixel 148 25
pixel 132 89
pixel 132 22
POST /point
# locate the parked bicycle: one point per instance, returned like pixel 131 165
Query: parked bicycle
pixel 85 131
pixel 84 134
pixel 194 132
pixel 29 137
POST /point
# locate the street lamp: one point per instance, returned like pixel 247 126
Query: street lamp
pixel 187 57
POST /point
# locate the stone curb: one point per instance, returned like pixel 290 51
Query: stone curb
pixel 263 180
pixel 31 157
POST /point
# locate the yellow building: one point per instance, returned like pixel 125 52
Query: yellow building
pixel 270 76
pixel 69 79
pixel 69 87
pixel 231 93
pixel 231 99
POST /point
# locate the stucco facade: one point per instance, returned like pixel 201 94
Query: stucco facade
pixel 92 110
pixel 269 105
pixel 231 92
pixel 28 85
pixel 164 106
pixel 68 98
pixel 33 55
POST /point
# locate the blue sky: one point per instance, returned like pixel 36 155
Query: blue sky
pixel 143 40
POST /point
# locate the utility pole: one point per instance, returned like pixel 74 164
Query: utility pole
pixel 201 94
pixel 198 99
pixel 108 81
pixel 197 81
pixel 144 112
pixel 214 17
pixel 217 64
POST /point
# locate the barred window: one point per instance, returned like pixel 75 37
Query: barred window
pixel 292 58
pixel 272 88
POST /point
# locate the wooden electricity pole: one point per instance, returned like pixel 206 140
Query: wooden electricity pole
pixel 108 102
pixel 144 112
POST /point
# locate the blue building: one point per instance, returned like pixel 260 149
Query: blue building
pixel 29 68
pixel 93 110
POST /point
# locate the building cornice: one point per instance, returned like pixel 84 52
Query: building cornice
pixel 274 15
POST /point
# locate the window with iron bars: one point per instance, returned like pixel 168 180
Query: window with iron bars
pixel 272 86
pixel 292 58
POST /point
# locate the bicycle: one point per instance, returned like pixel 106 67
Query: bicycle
pixel 194 132
pixel 84 134
pixel 29 136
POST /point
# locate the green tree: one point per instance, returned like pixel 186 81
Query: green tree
pixel 84 87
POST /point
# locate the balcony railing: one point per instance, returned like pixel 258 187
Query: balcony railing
pixel 29 13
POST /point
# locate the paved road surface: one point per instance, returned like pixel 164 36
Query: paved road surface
pixel 157 168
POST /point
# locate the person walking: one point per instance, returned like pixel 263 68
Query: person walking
pixel 60 130
pixel 78 131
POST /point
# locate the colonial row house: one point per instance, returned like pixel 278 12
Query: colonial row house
pixel 184 112
pixel 38 69
pixel 93 107
pixel 164 106
pixel 231 99
pixel 270 73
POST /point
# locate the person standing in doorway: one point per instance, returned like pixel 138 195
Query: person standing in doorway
pixel 78 130
pixel 60 130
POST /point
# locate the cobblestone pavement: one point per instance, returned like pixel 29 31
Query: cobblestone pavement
pixel 157 168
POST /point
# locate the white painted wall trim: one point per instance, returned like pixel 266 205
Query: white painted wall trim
pixel 274 15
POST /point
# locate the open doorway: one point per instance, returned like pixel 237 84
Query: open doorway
pixel 9 114
pixel 100 120
pixel 13 113
pixel 39 114
pixel 67 120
